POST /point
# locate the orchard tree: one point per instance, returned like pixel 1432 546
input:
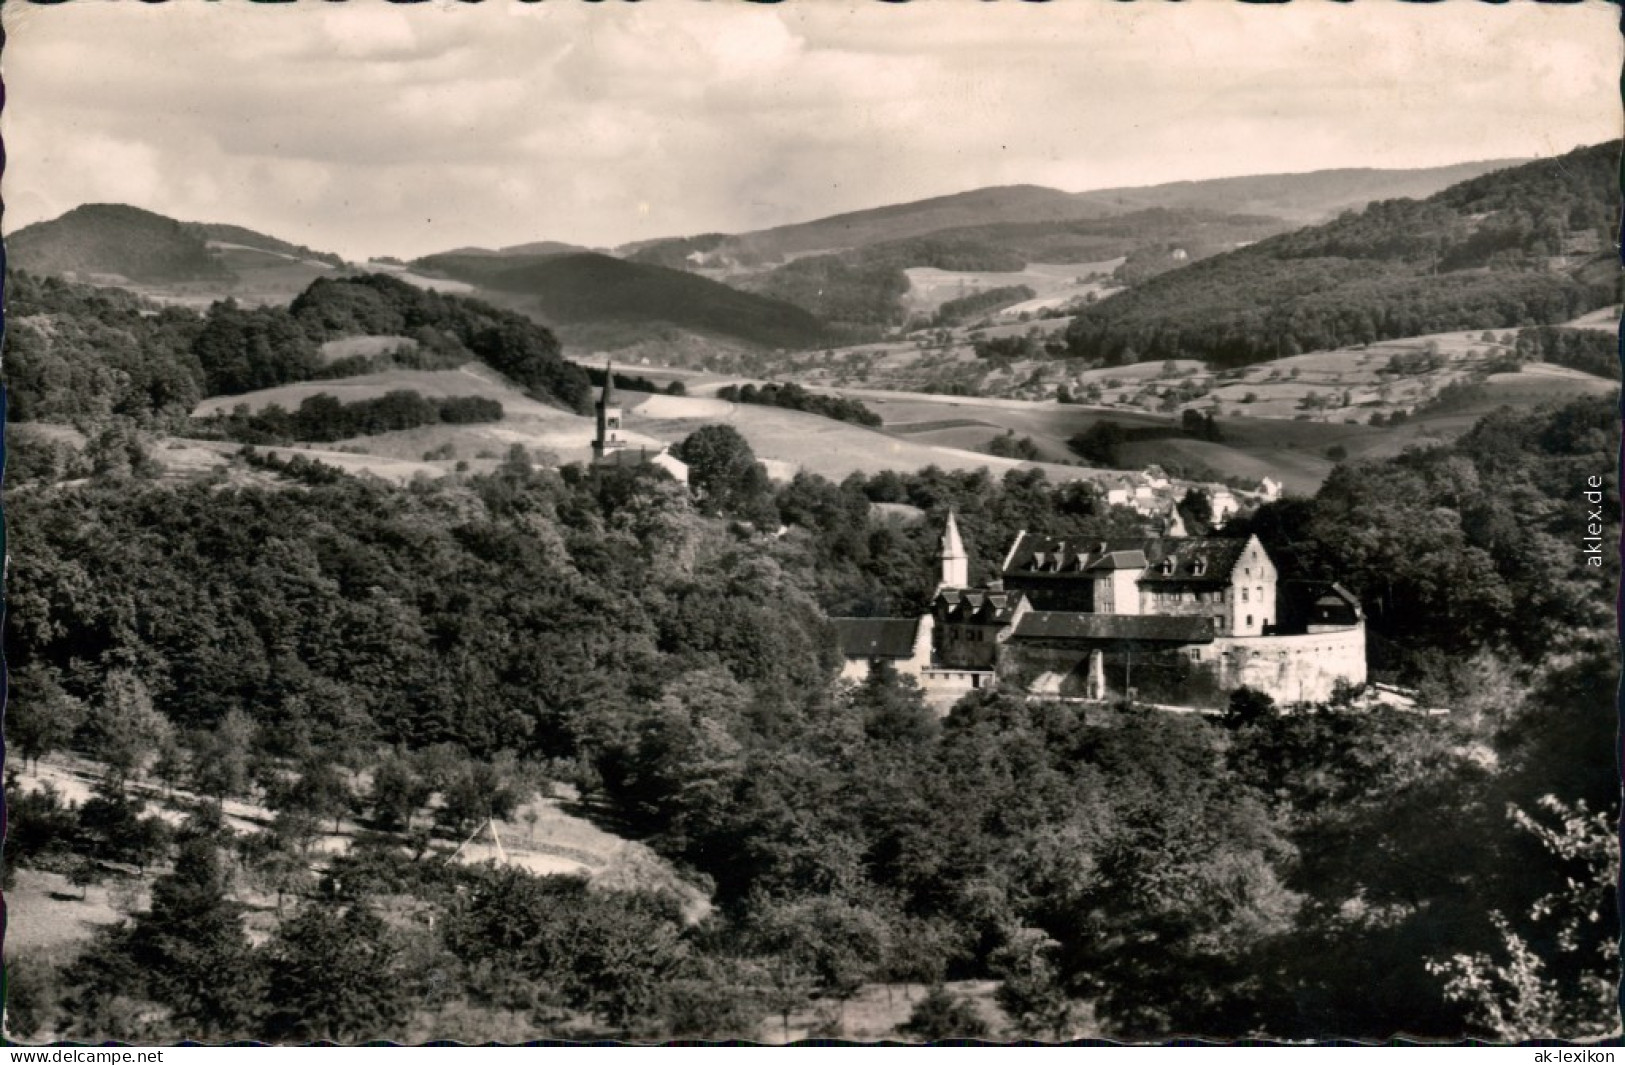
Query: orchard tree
pixel 125 727
pixel 220 758
pixel 40 716
pixel 192 950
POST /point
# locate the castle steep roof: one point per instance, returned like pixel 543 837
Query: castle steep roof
pixel 1188 561
pixel 876 637
pixel 1145 628
pixel 952 545
pixel 982 606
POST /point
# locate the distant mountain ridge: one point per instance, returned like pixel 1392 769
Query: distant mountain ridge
pixel 1527 245
pixel 1314 196
pixel 1295 198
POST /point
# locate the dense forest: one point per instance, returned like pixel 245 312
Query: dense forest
pixel 1520 247
pixel 419 658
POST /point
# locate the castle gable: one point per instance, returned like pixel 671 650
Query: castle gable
pixel 1197 561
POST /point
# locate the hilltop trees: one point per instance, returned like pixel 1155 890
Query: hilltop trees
pixel 241 350
pixel 91 356
pixel 724 473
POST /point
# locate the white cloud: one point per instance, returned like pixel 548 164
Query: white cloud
pixel 376 128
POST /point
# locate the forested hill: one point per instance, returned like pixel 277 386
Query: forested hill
pixel 86 355
pixel 1518 247
pixel 111 239
pixel 585 287
pixel 104 238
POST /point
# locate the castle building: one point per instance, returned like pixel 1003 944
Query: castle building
pixel 1172 620
pixel 610 448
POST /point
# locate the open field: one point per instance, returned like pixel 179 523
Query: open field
pixel 1292 452
pixel 349 347
pixel 1052 284
pixel 473 379
pixel 1606 318
pixel 266 277
pixel 816 444
pixel 433 284
pixel 785 440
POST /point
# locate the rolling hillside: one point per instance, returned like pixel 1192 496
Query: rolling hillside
pixel 1296 198
pixel 167 260
pixel 1523 246
pixel 586 288
pixel 109 241
pixel 784 440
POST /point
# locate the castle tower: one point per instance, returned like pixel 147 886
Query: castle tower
pixel 609 418
pixel 955 563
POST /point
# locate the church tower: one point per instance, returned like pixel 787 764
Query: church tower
pixel 955 563
pixel 609 418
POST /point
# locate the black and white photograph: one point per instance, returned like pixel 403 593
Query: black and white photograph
pixel 829 520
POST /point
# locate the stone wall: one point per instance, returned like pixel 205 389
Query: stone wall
pixel 1291 669
pixel 1161 675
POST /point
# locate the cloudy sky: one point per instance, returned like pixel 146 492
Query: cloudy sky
pixel 368 129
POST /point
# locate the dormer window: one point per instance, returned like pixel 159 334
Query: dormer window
pixel 1199 567
pixel 1167 566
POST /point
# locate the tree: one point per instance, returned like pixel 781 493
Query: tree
pixel 943 1015
pixel 835 943
pixel 1248 706
pixel 40 716
pixel 126 729
pixel 722 469
pixel 220 760
pixel 398 792
pixel 33 985
pixel 1198 504
pixel 1560 978
pixel 192 950
pixel 1031 990
pixel 335 974
pixel 1100 443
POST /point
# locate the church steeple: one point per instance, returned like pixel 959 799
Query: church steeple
pixel 609 417
pixel 955 563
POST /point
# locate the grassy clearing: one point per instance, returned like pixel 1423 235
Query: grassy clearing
pixel 1052 283
pixel 1606 319
pixel 349 347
